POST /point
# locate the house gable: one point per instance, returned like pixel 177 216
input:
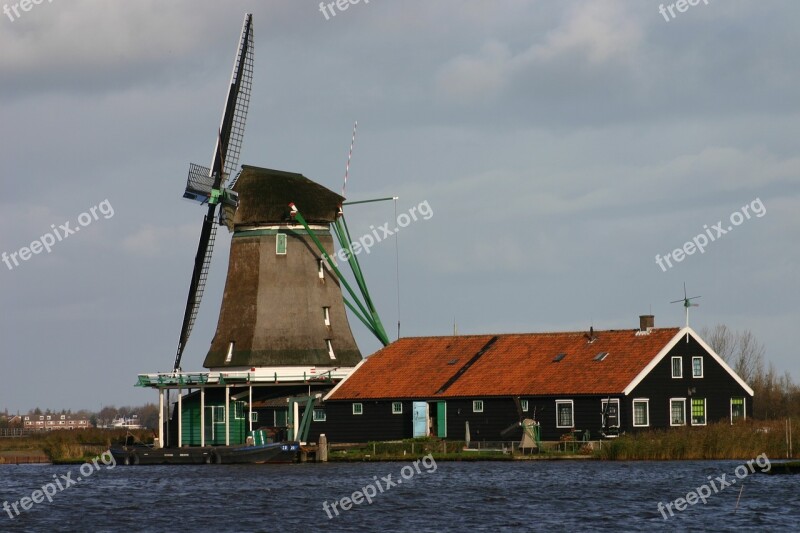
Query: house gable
pixel 681 336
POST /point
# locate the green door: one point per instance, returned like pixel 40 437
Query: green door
pixel 441 419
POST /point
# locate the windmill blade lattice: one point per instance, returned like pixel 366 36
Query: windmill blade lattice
pixel 206 184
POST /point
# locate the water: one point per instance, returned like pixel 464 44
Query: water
pixel 485 496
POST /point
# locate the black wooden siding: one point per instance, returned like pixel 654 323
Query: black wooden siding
pixel 716 386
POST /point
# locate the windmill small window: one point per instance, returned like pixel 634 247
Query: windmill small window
pixel 330 349
pixel 321 269
pixel 524 405
pixel 229 355
pixel 280 244
pixel 326 315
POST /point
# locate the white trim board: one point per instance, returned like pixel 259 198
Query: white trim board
pixel 334 389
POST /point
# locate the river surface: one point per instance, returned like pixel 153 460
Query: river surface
pixel 484 496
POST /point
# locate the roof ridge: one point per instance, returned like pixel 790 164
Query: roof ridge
pixel 535 333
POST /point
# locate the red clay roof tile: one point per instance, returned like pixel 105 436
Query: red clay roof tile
pixel 515 365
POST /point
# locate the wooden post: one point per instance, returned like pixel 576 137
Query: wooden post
pixel 180 417
pixel 322 449
pixel 203 416
pixel 227 416
pixel 250 411
pixel 160 418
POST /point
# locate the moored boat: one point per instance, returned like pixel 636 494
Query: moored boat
pixel 138 454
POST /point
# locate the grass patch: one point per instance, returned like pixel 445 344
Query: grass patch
pixel 714 441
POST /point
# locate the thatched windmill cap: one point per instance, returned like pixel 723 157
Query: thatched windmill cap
pixel 265 195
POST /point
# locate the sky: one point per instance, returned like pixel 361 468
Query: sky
pixel 560 146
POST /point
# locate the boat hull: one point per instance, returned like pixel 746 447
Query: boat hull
pixel 279 452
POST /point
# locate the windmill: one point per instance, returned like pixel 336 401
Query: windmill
pixel 207 185
pixel 530 429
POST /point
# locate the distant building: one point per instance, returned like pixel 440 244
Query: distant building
pixel 600 382
pixel 45 422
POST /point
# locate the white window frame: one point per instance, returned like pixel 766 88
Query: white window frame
pixel 683 402
pixel 744 406
pixel 278 238
pixel 477 406
pixel 326 315
pixel 317 417
pixel 603 409
pixel 395 409
pixel 254 416
pixel 672 366
pixel 321 269
pixel 646 402
pixel 571 413
pixel 705 412
pixel 238 410
pixel 524 405
pixel 229 355
pixel 697 358
pixel 358 408
pixel 330 349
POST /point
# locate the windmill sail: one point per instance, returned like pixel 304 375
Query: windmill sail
pixel 205 185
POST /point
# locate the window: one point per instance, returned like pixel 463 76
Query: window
pixel 610 413
pixel 559 357
pixel 326 315
pixel 677 407
pixel 330 349
pixel 280 244
pixel 641 413
pixel 677 367
pixel 564 418
pixel 698 411
pixel 238 410
pixel 229 355
pixel 524 405
pixel 63 417
pixel 254 416
pixel 697 367
pixel 477 406
pixel 601 356
pixel 321 269
pixel 358 409
pixel 737 409
pixel 218 414
pixel 320 416
pixel 397 408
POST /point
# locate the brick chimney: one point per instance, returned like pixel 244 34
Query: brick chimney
pixel 647 322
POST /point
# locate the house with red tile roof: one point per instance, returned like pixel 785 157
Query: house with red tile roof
pixel 598 383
